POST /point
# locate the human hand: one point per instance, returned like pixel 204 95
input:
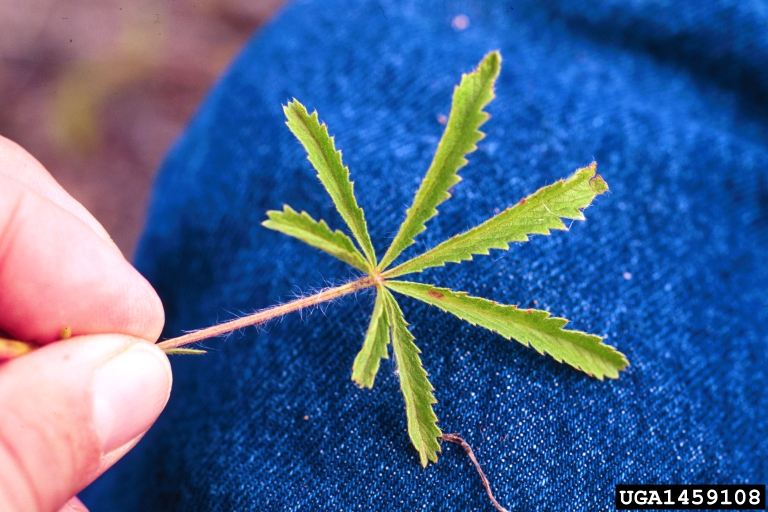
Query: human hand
pixel 72 408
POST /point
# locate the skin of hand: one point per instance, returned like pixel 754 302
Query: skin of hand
pixel 72 408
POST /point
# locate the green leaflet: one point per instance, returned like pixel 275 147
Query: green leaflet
pixel 316 234
pixel 459 138
pixel 374 347
pixel 537 214
pixel 417 391
pixel 322 153
pixel 532 327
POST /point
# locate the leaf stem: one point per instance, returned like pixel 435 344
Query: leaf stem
pixel 455 438
pixel 12 348
pixel 269 313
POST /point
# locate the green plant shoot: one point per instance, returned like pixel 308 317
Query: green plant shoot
pixel 538 213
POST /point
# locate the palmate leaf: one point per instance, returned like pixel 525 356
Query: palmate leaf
pixel 417 391
pixel 374 347
pixel 539 213
pixel 322 153
pixel 536 214
pixel 459 138
pixel 532 327
pixel 317 234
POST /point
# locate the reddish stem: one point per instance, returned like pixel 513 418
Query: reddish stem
pixel 269 313
pixel 455 438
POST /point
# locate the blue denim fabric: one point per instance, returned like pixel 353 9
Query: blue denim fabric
pixel 668 97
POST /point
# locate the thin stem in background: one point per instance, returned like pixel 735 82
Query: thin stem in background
pixel 456 439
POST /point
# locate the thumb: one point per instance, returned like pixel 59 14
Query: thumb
pixel 70 410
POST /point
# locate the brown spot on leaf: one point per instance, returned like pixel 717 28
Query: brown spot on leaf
pixel 435 295
pixel 523 201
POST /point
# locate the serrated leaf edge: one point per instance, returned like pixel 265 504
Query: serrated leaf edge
pixel 426 443
pixel 444 157
pixel 345 249
pixel 340 188
pixel 438 294
pixel 421 262
pixel 372 351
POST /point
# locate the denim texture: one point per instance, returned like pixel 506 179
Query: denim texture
pixel 670 98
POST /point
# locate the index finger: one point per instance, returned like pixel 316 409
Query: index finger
pixel 17 163
pixel 56 271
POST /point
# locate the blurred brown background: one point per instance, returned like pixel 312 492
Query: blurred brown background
pixel 97 90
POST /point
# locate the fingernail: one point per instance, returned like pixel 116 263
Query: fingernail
pixel 129 392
